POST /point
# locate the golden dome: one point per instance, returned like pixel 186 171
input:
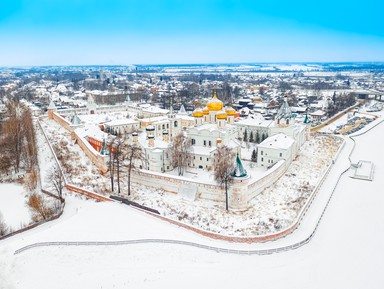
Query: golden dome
pixel 205 110
pixel 221 115
pixel 215 104
pixel 230 111
pixel 197 113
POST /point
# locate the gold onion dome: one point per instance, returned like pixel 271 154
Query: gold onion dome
pixel 215 104
pixel 205 110
pixel 197 113
pixel 221 115
pixel 230 111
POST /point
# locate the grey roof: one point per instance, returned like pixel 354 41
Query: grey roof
pixel 284 111
pixel 76 120
pixel 52 105
pixel 182 110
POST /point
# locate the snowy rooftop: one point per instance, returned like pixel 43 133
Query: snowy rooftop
pixel 255 122
pixel 277 141
pixel 125 121
pixel 92 131
pixel 158 142
pixel 318 113
pixel 153 119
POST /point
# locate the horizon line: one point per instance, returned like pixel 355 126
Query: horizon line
pixel 197 63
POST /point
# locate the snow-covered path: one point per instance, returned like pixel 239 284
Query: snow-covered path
pixel 346 251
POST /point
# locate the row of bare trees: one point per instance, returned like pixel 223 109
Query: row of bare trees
pixel 223 164
pixel 124 156
pixel 17 139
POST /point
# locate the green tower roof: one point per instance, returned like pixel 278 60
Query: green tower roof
pixel 238 170
pixel 306 119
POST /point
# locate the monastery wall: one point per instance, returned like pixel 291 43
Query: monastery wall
pixel 239 193
pixel 97 159
pixel 255 187
pixel 88 193
pixel 177 184
pixel 91 153
pixel 61 120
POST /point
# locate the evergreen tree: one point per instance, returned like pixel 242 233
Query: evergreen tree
pixel 254 155
pixel 245 138
pixel 257 138
pixel 263 137
pixel 251 137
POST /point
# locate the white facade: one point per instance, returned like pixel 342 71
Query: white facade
pixel 122 126
pixel 275 148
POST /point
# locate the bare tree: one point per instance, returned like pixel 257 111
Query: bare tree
pixel 134 155
pixel 39 206
pixel 111 163
pixel 14 134
pixel 116 158
pixel 179 152
pixel 31 179
pixel 3 226
pixel 57 180
pixel 19 137
pixel 223 167
pixel 30 149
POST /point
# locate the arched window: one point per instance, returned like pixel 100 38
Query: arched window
pixel 175 124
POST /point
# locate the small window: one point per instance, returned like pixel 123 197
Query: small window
pixel 261 152
pixel 209 143
pixel 281 154
pixel 207 159
pixel 205 143
pixel 201 158
pixel 262 159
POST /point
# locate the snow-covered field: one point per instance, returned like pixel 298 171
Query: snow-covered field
pixel 346 251
pixel 13 206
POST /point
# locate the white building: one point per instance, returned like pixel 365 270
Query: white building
pixel 213 127
pixel 275 148
pixel 286 138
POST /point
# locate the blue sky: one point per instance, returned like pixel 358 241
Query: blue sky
pixel 80 32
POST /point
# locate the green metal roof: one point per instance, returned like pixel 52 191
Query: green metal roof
pixel 238 170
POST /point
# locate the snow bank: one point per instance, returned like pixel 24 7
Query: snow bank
pixel 13 206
